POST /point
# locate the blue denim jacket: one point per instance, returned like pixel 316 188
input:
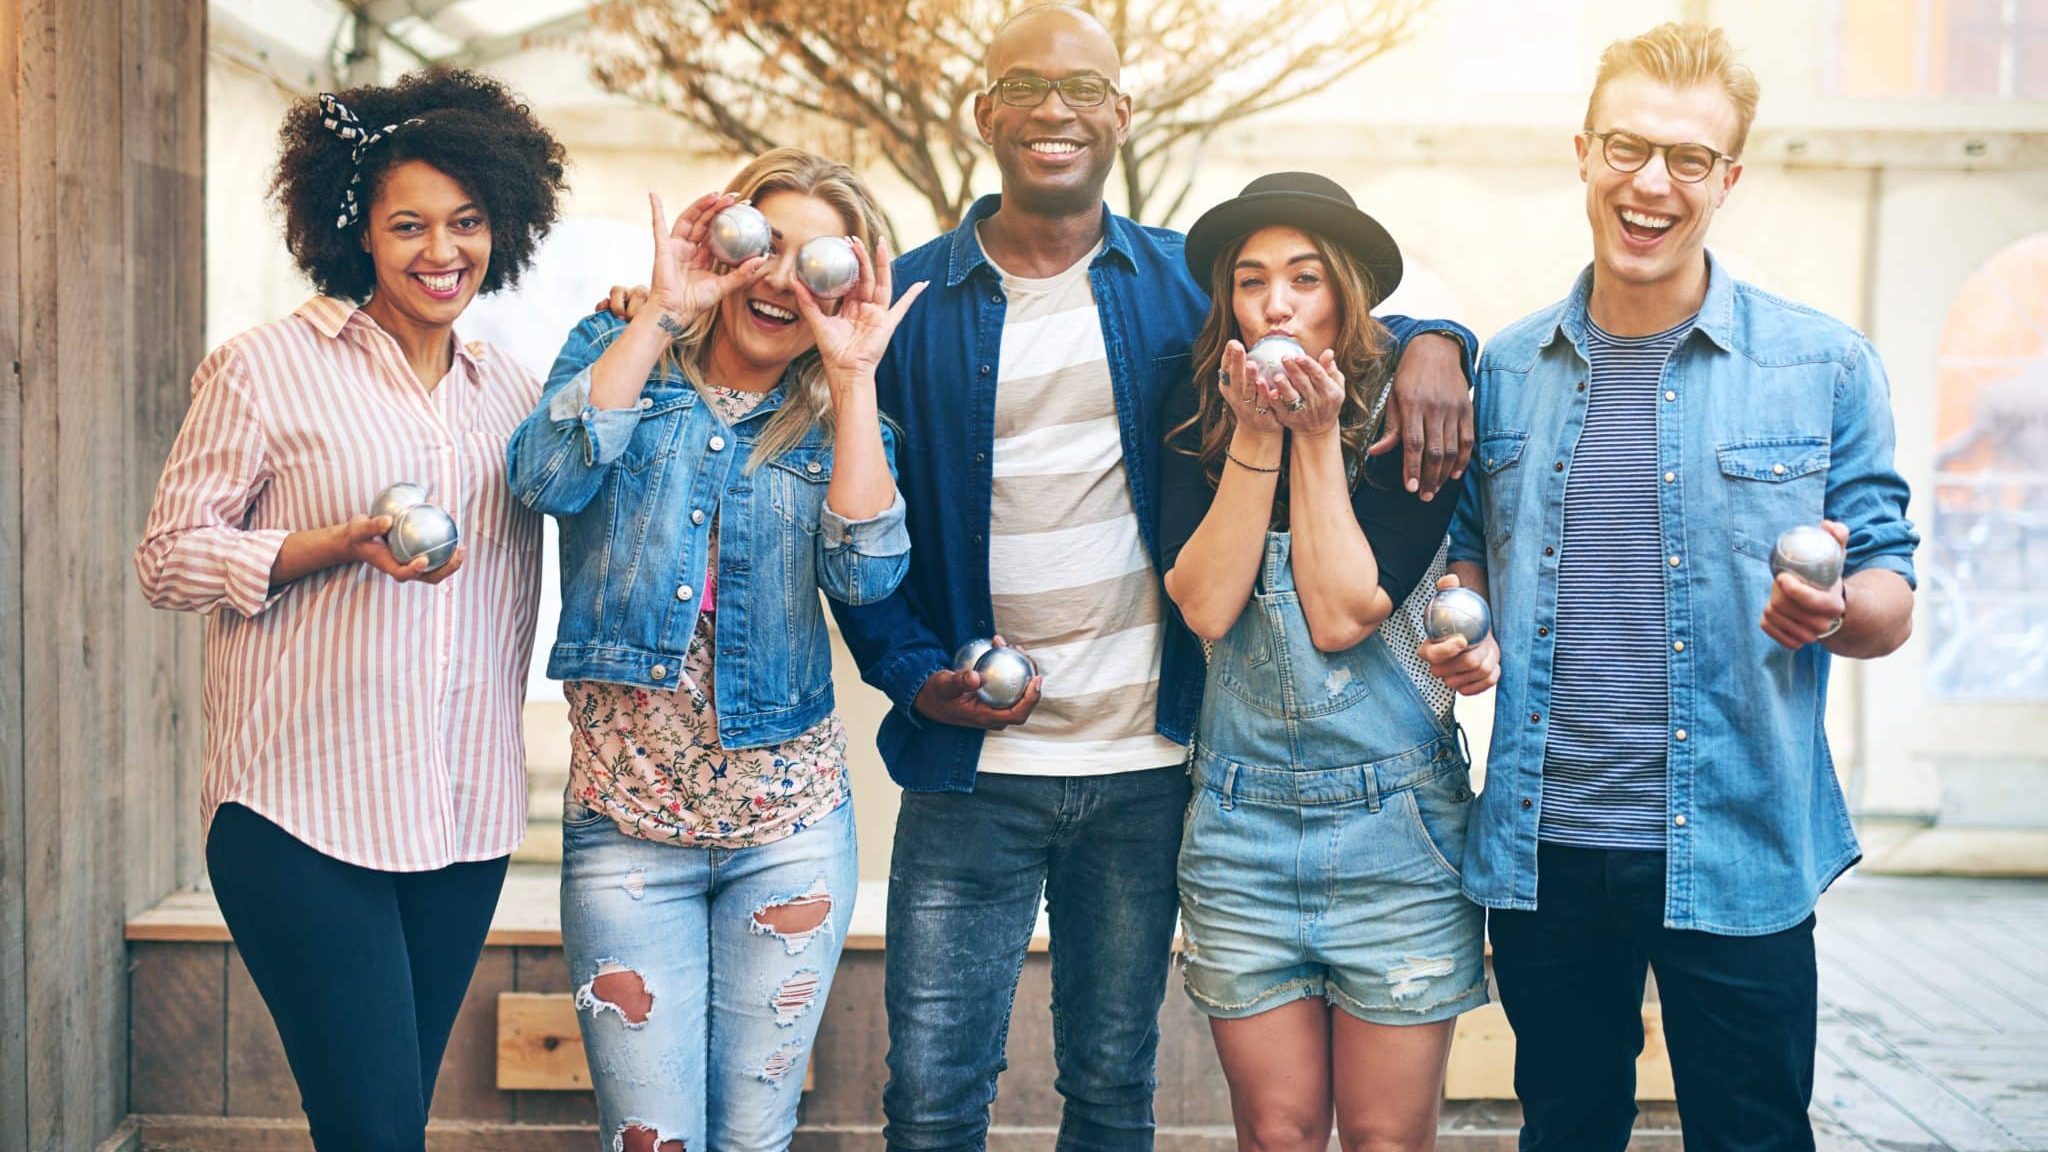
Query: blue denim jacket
pixel 635 490
pixel 938 382
pixel 1771 415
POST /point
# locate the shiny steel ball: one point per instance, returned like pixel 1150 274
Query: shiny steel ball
pixel 397 498
pixel 1457 612
pixel 740 233
pixel 968 654
pixel 1005 674
pixel 423 530
pixel 828 267
pixel 1264 357
pixel 1810 553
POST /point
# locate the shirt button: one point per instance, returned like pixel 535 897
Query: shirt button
pixel 1679 820
pixel 1777 469
pixel 984 369
pixel 1670 395
pixel 1535 717
pixel 717 444
pixel 1557 467
pixel 1678 645
pixel 814 468
pixel 1549 551
pixel 658 672
pixel 1582 385
pixel 647 402
pixel 1671 477
pixel 1489 461
pixel 1674 561
pixel 684 593
pixel 1543 629
pixel 1528 803
pixel 1679 735
pixel 697 516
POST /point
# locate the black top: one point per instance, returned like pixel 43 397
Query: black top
pixel 1404 530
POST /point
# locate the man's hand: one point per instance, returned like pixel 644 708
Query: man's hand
pixel 1467 669
pixel 949 698
pixel 1798 613
pixel 1430 415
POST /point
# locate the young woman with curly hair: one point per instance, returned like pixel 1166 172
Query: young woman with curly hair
pixel 715 464
pixel 365 770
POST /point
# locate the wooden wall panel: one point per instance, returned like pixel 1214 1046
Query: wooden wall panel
pixel 101 121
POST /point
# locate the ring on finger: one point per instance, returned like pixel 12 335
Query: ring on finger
pixel 1297 404
pixel 1261 410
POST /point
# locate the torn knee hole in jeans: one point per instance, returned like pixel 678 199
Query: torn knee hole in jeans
pixel 781 1061
pixel 793 996
pixel 796 920
pixel 638 1136
pixel 616 988
pixel 1414 975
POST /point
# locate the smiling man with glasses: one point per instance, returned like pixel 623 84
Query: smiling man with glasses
pixel 1659 792
pixel 1027 384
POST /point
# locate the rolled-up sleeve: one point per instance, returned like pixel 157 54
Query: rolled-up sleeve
pixel 557 460
pixel 196 555
pixel 862 561
pixel 1865 492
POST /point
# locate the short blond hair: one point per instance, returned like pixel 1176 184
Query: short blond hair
pixel 1682 55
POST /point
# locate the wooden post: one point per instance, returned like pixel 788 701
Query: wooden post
pixel 102 111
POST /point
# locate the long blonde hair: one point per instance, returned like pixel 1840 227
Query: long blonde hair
pixel 808 403
pixel 1360 345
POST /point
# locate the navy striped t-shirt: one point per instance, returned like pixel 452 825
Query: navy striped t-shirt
pixel 1603 764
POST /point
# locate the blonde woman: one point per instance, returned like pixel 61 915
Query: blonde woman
pixel 714 463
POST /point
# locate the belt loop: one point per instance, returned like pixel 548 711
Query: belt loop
pixel 1229 787
pixel 1372 789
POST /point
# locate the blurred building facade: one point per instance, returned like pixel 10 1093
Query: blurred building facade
pixel 1897 177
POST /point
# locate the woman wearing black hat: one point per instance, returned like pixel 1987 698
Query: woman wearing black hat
pixel 1326 936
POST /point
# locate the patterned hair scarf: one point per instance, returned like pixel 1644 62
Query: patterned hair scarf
pixel 336 117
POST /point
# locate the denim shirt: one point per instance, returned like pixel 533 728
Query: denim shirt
pixel 635 490
pixel 1770 415
pixel 938 382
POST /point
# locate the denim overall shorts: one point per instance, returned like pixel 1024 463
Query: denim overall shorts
pixel 1321 852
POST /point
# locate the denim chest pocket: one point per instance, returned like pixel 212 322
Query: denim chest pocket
pixel 796 481
pixel 1770 484
pixel 1498 457
pixel 661 414
pixel 1269 664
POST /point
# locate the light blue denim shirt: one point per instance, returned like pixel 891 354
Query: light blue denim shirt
pixel 636 489
pixel 1770 415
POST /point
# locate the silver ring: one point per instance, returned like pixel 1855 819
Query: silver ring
pixel 1297 404
pixel 1262 411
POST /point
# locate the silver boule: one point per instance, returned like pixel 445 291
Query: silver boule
pixel 1810 553
pixel 1457 612
pixel 1005 674
pixel 966 656
pixel 828 267
pixel 423 530
pixel 740 233
pixel 397 498
pixel 1264 357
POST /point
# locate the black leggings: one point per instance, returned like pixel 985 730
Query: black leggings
pixel 363 971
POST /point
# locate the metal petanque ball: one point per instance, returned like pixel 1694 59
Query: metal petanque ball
pixel 740 233
pixel 1005 674
pixel 1264 357
pixel 1810 553
pixel 423 530
pixel 970 653
pixel 828 267
pixel 1457 612
pixel 396 499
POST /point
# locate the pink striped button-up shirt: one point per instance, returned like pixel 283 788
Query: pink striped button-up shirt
pixel 376 721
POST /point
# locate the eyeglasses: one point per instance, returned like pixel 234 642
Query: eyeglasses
pixel 1031 91
pixel 1687 163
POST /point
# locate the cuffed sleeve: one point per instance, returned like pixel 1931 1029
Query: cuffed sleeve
pixel 861 561
pixel 1865 492
pixel 557 459
pixel 196 555
pixel 1405 329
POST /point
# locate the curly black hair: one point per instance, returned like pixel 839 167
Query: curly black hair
pixel 472 128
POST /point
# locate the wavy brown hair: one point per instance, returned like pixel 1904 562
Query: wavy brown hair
pixel 1362 347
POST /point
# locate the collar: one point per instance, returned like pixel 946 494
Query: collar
pixel 1715 321
pixel 331 316
pixel 965 257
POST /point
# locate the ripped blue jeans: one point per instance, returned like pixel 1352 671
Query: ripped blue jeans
pixel 701 975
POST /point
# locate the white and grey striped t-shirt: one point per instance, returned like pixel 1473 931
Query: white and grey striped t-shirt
pixel 1072 583
pixel 1603 765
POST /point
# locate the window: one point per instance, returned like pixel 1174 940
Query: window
pixel 1984 569
pixel 1996 49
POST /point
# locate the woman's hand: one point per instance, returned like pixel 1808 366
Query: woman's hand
pixel 358 541
pixel 1250 401
pixel 686 281
pixel 1309 394
pixel 851 339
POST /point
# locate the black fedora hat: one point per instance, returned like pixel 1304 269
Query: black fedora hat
pixel 1304 200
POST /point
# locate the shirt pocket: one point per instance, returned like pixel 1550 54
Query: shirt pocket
pixel 797 480
pixel 1770 484
pixel 1498 459
pixel 661 414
